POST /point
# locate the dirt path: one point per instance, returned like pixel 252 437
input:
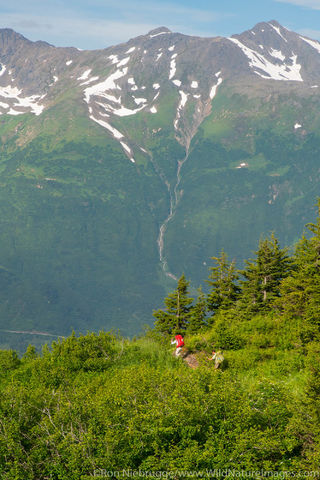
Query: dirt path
pixel 191 360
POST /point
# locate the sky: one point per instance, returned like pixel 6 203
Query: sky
pixel 95 24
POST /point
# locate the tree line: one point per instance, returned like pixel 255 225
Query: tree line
pixel 273 280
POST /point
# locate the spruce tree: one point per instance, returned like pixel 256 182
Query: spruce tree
pixel 178 310
pixel 264 274
pixel 301 291
pixel 197 319
pixel 222 280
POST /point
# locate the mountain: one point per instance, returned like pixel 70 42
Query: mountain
pixel 122 168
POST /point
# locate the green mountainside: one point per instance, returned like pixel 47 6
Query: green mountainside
pixel 122 168
pixel 100 405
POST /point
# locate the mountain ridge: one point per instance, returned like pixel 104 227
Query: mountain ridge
pixel 116 162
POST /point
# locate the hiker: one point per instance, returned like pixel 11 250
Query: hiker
pixel 218 358
pixel 179 342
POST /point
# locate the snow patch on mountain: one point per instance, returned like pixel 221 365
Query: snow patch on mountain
pixel 31 102
pixel 177 82
pixel 159 56
pixel 13 112
pixel 242 165
pixel 312 43
pixel 110 97
pixel 106 125
pixel 114 58
pixel 125 112
pixel 173 66
pixel 139 101
pixel 277 29
pixel 214 88
pixel 182 104
pixel 184 98
pixel 85 75
pixel 3 69
pixel 132 49
pixel 285 71
pixel 194 84
pixel 277 54
pixel 123 62
pixel 108 84
pixel 125 146
pixel 92 79
pixel 68 62
pixel 157 34
pixel 116 134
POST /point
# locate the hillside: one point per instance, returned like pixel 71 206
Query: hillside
pixel 132 406
pixel 92 405
pixel 122 168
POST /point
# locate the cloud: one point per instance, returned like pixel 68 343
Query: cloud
pixel 313 4
pixel 79 32
pixel 154 9
pixel 98 24
pixel 31 24
pixel 110 9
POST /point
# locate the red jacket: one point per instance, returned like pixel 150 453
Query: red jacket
pixel 179 341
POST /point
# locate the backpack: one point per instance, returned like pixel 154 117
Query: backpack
pixel 219 357
pixel 179 339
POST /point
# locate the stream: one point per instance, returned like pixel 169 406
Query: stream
pixel 174 200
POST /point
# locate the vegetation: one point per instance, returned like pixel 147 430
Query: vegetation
pixel 98 403
pixel 79 222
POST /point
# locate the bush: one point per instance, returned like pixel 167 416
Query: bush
pixel 196 343
pixel 8 361
pixel 227 336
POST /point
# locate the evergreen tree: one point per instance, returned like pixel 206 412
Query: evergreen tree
pixel 264 274
pixel 178 310
pixel 301 291
pixel 222 279
pixel 198 314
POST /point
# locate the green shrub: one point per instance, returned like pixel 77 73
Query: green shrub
pixel 8 361
pixel 227 336
pixel 197 343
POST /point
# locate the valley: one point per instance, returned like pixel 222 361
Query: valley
pixel 122 168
